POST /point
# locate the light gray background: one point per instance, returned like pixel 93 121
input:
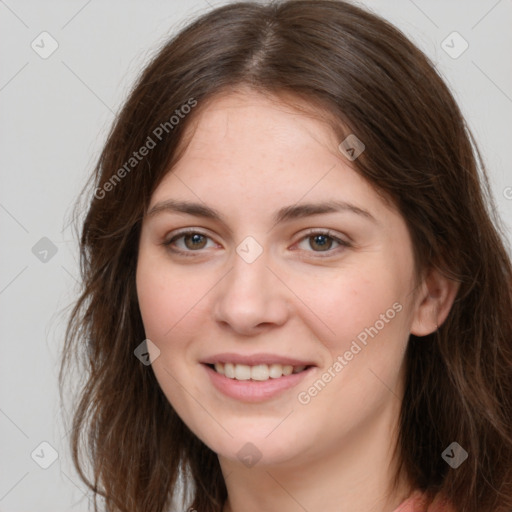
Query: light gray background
pixel 55 114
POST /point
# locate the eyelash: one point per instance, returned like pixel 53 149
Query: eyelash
pixel 309 234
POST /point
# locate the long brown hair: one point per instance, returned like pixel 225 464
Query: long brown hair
pixel 366 76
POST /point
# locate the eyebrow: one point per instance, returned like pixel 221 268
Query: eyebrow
pixel 287 213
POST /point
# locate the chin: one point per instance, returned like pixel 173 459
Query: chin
pixel 255 442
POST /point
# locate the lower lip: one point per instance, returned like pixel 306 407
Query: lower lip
pixel 254 390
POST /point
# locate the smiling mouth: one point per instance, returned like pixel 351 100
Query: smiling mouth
pixel 258 372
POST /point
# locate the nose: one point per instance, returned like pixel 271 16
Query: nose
pixel 251 298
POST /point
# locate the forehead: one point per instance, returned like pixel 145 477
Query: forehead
pixel 260 152
pixel 247 118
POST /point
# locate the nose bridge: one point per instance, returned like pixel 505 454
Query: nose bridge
pixel 250 294
pixel 250 270
pixel 249 279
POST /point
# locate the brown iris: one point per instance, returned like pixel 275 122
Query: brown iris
pixel 194 241
pixel 322 242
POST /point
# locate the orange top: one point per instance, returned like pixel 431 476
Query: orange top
pixel 418 502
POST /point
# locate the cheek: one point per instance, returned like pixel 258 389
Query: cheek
pixel 346 305
pixel 364 319
pixel 166 302
pixel 364 331
pixel 166 299
pixel 155 303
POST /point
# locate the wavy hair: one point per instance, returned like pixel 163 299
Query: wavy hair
pixel 355 69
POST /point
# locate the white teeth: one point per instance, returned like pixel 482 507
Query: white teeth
pixel 242 372
pixel 275 371
pixel 260 372
pixel 229 370
pixel 287 370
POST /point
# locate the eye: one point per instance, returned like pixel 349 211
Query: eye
pixel 192 241
pixel 188 241
pixel 322 241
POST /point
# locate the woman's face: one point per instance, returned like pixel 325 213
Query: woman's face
pixel 291 263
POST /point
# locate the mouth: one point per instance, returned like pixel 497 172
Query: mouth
pixel 258 372
pixel 257 377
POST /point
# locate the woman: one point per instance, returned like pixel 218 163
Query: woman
pixel 295 293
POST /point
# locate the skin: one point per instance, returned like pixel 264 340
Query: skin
pixel 250 155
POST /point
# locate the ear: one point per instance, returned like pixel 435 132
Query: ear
pixel 433 302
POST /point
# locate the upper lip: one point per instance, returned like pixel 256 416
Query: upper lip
pixel 255 359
